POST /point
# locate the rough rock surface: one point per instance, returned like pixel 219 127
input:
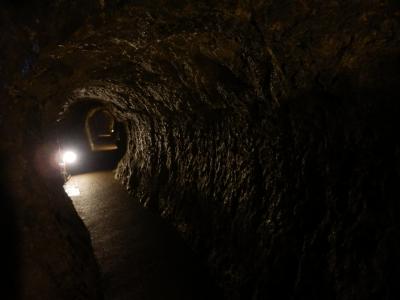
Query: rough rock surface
pixel 265 131
pixel 47 247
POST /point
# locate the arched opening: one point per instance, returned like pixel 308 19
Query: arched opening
pixel 90 137
pixel 101 130
pixel 116 222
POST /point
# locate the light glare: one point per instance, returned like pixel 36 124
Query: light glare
pixel 69 157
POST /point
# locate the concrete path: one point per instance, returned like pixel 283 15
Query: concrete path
pixel 141 257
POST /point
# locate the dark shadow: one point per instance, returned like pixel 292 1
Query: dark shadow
pixel 8 231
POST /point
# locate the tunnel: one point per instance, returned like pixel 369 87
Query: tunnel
pixel 221 150
pixel 90 131
pixel 100 130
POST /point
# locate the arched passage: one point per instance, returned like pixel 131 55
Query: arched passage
pixel 90 129
pixel 100 130
pixel 269 142
pixel 129 242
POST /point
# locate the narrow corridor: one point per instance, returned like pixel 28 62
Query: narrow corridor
pixel 140 256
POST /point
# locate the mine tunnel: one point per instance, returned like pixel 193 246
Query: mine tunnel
pixel 200 150
pixel 92 135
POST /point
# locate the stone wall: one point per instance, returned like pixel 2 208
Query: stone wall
pixel 46 247
pixel 265 131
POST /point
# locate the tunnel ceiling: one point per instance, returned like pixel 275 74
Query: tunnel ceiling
pixel 264 132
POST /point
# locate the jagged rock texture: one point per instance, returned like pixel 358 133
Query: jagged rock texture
pixel 265 131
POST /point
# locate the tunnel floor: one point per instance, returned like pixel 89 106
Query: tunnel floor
pixel 139 254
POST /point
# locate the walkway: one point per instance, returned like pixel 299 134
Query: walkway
pixel 141 257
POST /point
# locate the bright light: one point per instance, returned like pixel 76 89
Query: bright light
pixel 69 157
pixel 72 190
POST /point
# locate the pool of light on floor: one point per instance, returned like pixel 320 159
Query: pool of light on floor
pixel 71 190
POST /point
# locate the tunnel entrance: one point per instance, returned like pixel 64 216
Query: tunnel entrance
pixel 100 130
pixel 90 137
pixel 139 255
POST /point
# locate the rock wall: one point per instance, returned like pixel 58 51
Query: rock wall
pixel 50 255
pixel 264 130
pixel 46 247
